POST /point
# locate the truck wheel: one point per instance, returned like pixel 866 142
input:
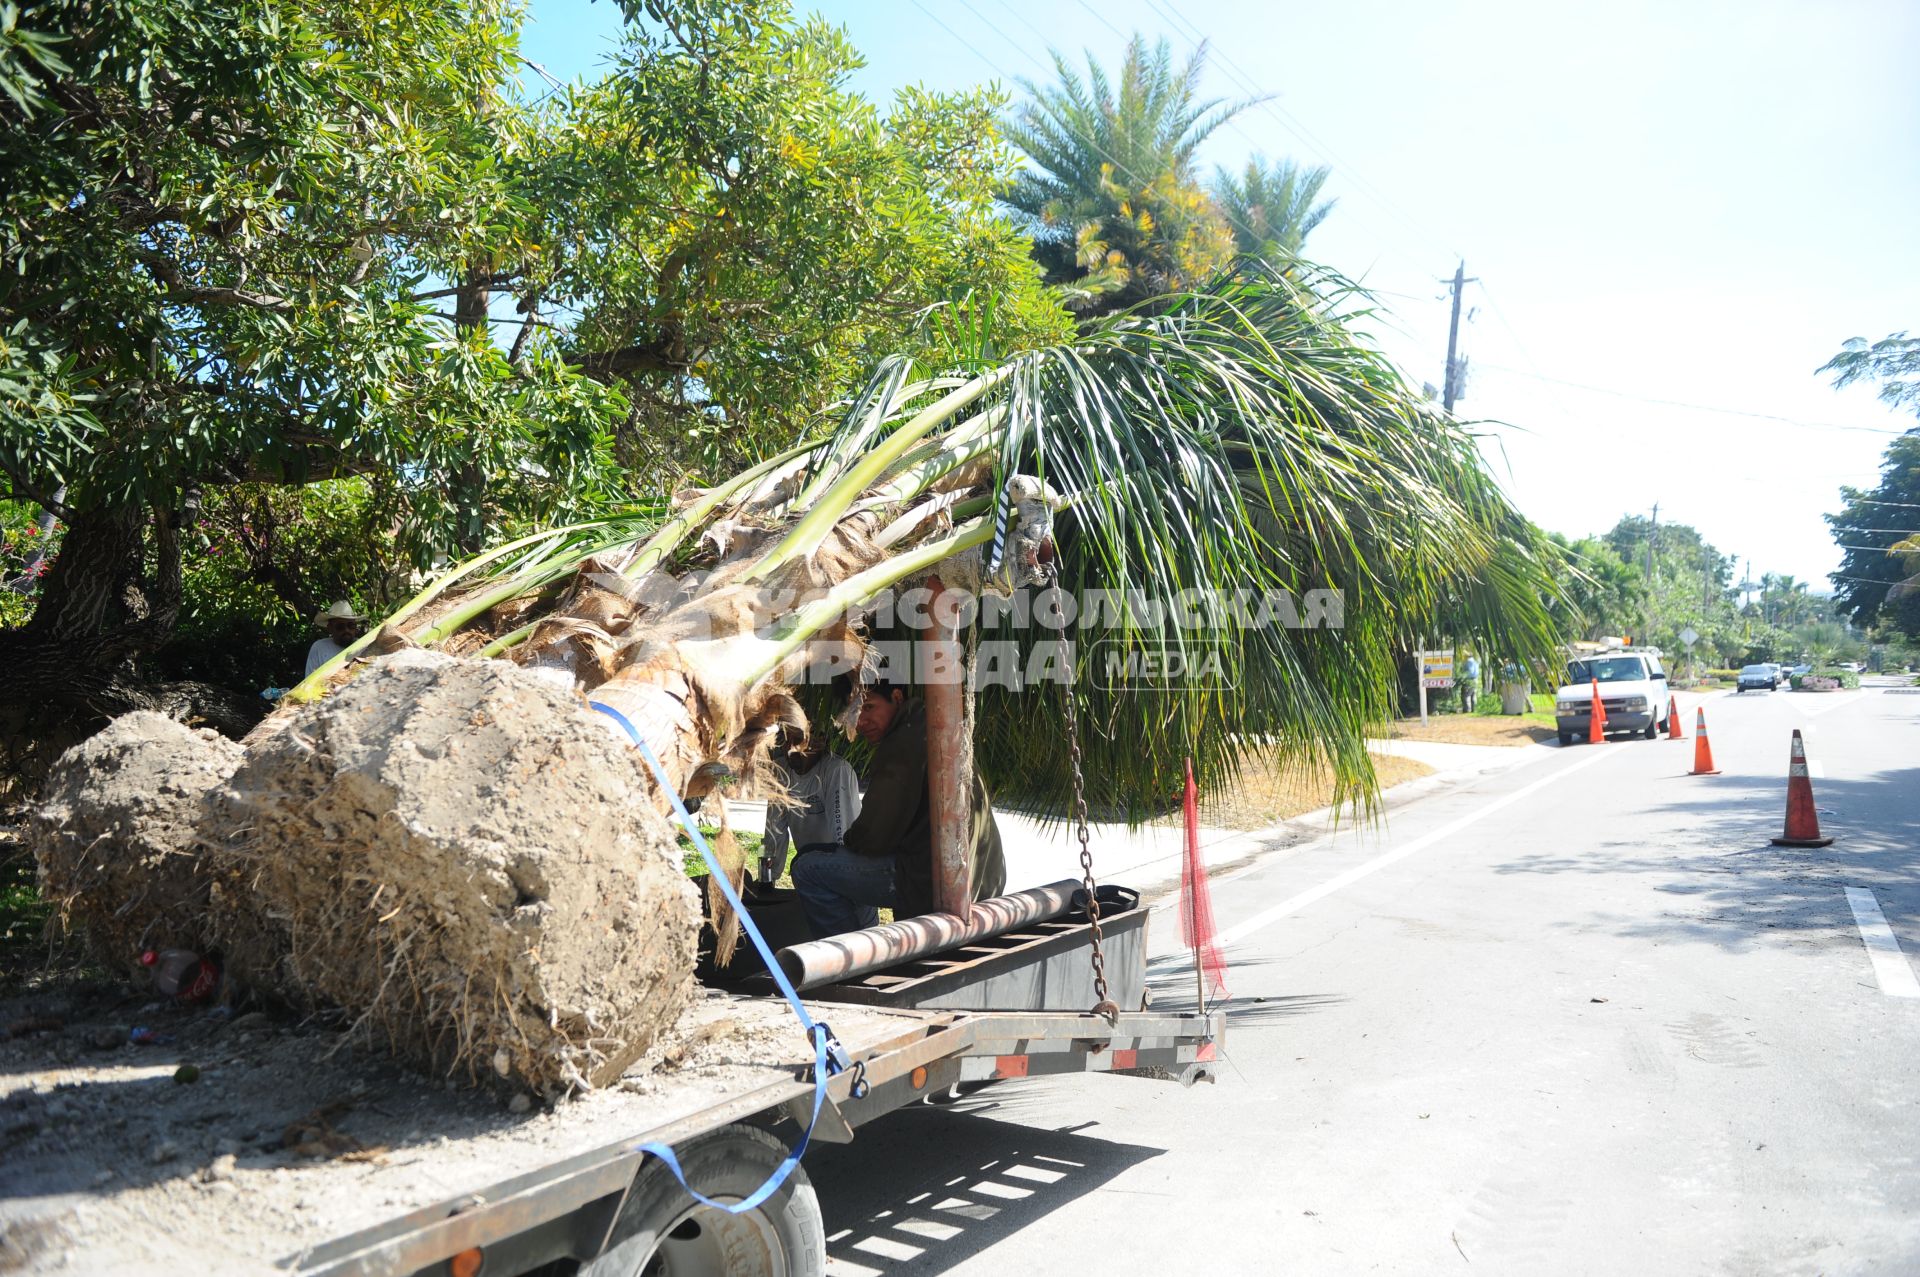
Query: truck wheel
pixel 1566 738
pixel 661 1232
pixel 1653 730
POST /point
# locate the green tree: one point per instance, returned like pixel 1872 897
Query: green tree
pixel 1683 582
pixel 1600 594
pixel 1822 643
pixel 289 243
pixel 1879 578
pixel 1876 584
pixel 729 234
pixel 1272 207
pixel 1111 196
pixel 214 229
pixel 1893 361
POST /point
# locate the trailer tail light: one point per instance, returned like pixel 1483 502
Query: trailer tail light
pixel 467 1263
pixel 919 1077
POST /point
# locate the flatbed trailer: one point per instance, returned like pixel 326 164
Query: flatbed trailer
pixel 430 1182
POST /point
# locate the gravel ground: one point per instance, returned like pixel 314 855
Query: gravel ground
pixel 287 1136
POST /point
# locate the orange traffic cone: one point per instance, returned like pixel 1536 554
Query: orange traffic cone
pixel 1597 725
pixel 1702 752
pixel 1673 720
pixel 1803 823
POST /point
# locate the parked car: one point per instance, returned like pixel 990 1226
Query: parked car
pixel 1799 671
pixel 1852 667
pixel 1757 678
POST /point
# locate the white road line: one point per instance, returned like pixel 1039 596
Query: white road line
pixel 1267 917
pixel 1890 966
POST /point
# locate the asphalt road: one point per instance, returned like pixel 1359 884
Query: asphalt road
pixel 1577 1017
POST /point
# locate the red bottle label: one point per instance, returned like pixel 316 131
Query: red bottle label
pixel 206 978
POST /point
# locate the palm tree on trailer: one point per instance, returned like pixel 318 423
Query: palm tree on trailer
pixel 1240 440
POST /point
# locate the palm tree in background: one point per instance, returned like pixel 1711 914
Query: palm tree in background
pixel 1272 207
pixel 1112 199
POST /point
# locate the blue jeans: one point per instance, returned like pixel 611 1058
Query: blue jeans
pixel 840 890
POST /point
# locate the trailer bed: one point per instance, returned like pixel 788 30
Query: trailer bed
pixel 290 1139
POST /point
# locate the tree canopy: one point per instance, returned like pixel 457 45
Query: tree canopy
pixel 1111 194
pixel 294 243
pixel 1272 206
pixel 1878 583
pixel 1878 528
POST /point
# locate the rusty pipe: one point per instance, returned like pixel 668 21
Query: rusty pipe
pixel 949 760
pixel 856 953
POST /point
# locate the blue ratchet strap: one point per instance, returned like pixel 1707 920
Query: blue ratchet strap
pixel 829 1057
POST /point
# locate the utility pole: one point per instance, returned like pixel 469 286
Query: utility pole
pixel 1746 601
pixel 1653 530
pixel 1454 379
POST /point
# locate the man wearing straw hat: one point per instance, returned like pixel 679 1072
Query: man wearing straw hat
pixel 342 625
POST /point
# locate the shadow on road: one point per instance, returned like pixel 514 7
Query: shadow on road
pixel 895 1203
pixel 1731 886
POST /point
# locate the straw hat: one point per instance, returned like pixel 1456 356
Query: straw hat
pixel 340 611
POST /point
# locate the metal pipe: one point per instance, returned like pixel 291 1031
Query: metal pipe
pixel 949 761
pixel 856 953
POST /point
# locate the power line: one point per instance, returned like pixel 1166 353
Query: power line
pixel 1294 125
pixel 1521 346
pixel 1697 407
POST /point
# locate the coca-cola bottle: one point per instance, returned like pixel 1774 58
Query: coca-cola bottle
pixel 182 974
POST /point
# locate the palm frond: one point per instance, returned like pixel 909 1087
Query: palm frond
pixel 1236 443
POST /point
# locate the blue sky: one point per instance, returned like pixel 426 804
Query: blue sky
pixel 1666 204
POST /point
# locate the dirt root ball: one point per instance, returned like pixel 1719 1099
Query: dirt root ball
pixel 115 835
pixel 463 858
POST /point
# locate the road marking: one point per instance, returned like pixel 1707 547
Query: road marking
pixel 1267 917
pixel 1840 701
pixel 1890 966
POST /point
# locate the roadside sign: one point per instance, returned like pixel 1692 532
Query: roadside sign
pixel 1689 637
pixel 1436 669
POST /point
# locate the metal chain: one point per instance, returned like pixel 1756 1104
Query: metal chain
pixel 1104 1006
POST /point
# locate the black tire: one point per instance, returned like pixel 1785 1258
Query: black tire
pixel 1653 730
pixel 662 1232
pixel 1566 738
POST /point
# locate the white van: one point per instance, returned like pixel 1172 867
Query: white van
pixel 1633 690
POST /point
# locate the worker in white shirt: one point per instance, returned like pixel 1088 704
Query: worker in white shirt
pixel 826 799
pixel 342 625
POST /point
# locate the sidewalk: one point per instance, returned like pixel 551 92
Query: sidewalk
pixel 1148 859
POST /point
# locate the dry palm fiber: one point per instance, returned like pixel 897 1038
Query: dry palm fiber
pixel 733 864
pixel 114 835
pixel 465 859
